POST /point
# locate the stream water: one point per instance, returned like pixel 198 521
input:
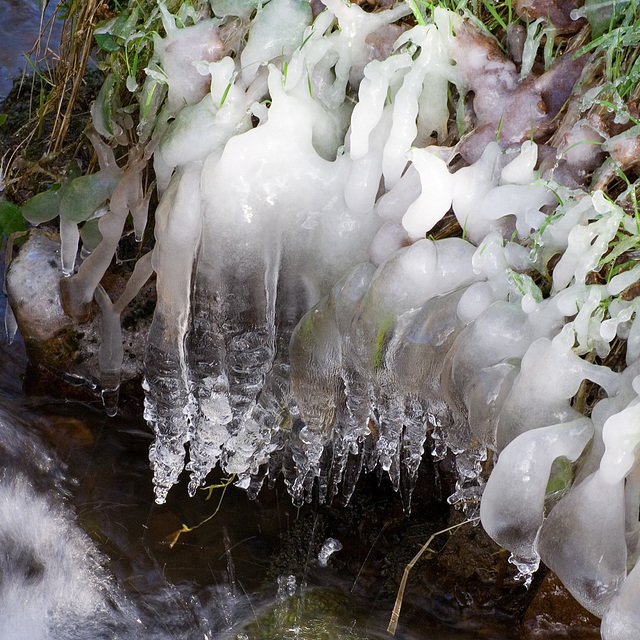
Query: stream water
pixel 20 24
pixel 86 553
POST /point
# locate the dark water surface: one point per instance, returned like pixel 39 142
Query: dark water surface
pixel 215 579
pixel 20 25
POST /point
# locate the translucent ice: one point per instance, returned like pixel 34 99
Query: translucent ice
pixel 329 547
pixel 167 401
pixel 275 33
pixel 512 508
pixel 176 53
pixel 621 620
pixel 538 396
pixel 479 369
pixel 306 326
pixel 582 541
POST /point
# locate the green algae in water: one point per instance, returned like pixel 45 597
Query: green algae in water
pixel 317 614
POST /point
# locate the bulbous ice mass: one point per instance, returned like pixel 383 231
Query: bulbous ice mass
pixel 512 508
pixel 582 541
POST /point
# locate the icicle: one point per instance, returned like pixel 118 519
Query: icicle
pixel 110 353
pixel 168 402
pixel 316 360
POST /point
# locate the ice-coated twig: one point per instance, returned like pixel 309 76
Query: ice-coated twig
pixel 141 273
pixel 78 290
pixel 111 351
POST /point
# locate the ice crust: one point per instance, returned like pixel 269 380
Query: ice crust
pixel 308 325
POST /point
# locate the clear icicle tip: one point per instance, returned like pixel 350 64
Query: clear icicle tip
pixel 330 546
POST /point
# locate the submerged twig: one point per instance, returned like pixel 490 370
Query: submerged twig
pixel 224 485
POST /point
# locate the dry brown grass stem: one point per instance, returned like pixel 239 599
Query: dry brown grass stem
pixel 66 63
pixel 395 616
pixel 75 49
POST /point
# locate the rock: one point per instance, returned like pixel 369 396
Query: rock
pixel 65 431
pixel 554 613
pixel 33 289
pixel 52 339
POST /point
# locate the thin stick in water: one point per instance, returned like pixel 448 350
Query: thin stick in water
pixel 393 623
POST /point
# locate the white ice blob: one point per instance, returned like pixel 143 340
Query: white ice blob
pixel 435 199
pixel 275 33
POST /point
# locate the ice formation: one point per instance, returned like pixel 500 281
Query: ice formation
pixel 329 547
pixel 307 323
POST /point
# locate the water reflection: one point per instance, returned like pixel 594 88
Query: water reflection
pixel 20 24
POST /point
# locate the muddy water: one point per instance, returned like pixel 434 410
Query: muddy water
pixel 20 25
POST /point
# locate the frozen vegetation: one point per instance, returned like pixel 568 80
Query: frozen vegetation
pixel 314 320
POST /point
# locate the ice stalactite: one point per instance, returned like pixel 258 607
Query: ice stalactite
pixel 382 315
pixel 411 396
pixel 315 356
pixel 168 401
pixel 343 444
pixel 268 249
